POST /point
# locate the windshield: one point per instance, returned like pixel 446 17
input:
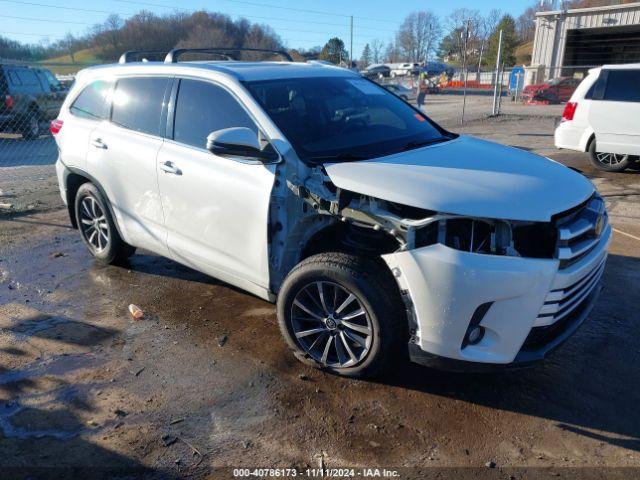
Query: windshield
pixel 343 118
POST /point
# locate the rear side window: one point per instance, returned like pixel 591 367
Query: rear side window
pixel 27 77
pixel 623 86
pixel 203 108
pixel 92 103
pixel 137 103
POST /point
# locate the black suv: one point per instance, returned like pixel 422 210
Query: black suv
pixel 28 98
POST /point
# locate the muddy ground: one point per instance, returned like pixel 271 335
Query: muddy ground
pixel 204 383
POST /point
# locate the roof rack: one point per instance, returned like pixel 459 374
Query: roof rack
pixel 128 57
pixel 173 55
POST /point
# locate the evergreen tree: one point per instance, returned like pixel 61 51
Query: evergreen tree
pixel 509 42
pixel 365 59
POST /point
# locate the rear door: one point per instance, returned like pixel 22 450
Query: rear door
pixel 615 111
pixel 122 158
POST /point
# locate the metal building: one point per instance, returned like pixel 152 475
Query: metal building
pixel 569 42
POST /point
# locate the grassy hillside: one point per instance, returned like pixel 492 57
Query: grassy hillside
pixel 82 59
pixel 523 53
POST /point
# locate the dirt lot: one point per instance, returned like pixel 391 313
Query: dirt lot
pixel 204 382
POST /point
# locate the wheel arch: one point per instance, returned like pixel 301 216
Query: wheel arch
pixel 324 234
pixel 590 139
pixel 73 181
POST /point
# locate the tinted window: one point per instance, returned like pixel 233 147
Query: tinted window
pixel 14 79
pixel 343 118
pixel 93 102
pixel 203 108
pixel 27 77
pixel 137 103
pixel 623 86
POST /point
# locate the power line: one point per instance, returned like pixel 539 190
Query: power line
pixel 75 9
pixel 257 4
pixel 165 6
pixel 45 20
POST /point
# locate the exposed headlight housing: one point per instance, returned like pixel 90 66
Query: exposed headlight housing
pixel 490 236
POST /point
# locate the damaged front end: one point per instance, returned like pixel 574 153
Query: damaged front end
pixel 454 272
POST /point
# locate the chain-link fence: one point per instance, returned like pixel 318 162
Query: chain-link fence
pixel 30 97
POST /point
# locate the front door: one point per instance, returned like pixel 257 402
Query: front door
pixel 216 209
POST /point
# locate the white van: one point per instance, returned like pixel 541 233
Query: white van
pixel 603 117
pixel 403 69
pixel 379 234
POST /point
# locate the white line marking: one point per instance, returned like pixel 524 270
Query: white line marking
pixel 626 234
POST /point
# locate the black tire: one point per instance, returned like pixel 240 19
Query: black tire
pixel 376 292
pixel 619 166
pixel 114 249
pixel 30 128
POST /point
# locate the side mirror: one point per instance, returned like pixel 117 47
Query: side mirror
pixel 240 142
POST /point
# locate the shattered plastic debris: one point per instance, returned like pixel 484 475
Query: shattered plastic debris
pixel 136 312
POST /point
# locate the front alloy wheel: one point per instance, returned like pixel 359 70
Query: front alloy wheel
pixel 343 313
pixel 331 324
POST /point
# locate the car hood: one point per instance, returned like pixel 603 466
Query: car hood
pixel 468 176
pixel 533 88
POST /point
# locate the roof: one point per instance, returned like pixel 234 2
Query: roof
pixel 622 66
pixel 578 11
pixel 243 71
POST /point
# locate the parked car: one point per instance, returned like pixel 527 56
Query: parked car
pixel 557 90
pixel 603 117
pixel 432 69
pixel 404 69
pixel 376 71
pixel 377 232
pixel 29 97
pixel 407 94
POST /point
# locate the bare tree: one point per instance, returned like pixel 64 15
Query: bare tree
pixel 392 53
pixel 69 43
pixel 417 35
pixel 377 49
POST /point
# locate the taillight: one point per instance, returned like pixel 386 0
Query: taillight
pixel 569 111
pixel 55 126
pixel 8 101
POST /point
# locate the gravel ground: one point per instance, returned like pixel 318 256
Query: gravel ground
pixel 204 383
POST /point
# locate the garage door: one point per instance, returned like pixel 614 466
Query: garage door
pixel 599 46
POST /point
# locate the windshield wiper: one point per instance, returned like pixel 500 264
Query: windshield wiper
pixel 423 143
pixel 339 156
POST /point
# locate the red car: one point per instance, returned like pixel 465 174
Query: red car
pixel 558 90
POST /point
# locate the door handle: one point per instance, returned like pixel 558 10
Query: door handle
pixel 98 143
pixel 169 167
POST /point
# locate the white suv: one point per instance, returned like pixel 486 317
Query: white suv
pixel 603 117
pixel 378 233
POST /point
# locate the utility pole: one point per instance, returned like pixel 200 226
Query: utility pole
pixel 351 47
pixel 426 54
pixel 495 87
pixel 464 70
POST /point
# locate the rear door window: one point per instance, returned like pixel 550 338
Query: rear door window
pixel 623 86
pixel 137 103
pixel 203 108
pixel 93 101
pixel 27 77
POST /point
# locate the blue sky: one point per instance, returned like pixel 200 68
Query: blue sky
pixel 300 23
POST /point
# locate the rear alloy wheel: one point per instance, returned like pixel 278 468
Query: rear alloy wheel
pixel 31 128
pixel 344 314
pixel 97 227
pixel 609 162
